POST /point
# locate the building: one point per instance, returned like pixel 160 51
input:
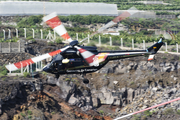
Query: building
pixel 13 8
pixel 111 33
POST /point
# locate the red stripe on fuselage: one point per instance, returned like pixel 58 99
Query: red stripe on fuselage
pixel 54 52
pixel 24 63
pixel 54 22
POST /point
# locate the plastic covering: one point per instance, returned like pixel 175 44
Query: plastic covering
pixel 140 14
pixel 10 8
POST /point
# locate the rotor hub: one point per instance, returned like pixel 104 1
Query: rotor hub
pixel 73 43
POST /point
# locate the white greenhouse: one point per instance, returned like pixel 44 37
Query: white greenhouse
pixel 13 8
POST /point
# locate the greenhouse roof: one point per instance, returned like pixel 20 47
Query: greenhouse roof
pixel 11 8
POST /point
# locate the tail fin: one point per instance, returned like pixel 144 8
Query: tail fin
pixel 154 48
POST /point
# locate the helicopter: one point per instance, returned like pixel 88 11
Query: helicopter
pixel 78 59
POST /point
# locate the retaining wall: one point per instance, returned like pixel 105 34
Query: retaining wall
pixel 12 47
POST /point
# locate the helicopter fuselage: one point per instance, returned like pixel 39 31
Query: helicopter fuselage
pixel 77 65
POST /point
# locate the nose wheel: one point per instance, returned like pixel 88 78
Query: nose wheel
pixel 85 81
pixel 57 76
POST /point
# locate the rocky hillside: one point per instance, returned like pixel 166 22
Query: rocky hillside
pixel 121 87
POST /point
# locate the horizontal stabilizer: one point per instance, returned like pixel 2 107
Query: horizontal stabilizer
pixel 151 57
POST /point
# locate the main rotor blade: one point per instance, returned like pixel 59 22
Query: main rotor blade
pixel 55 23
pixel 90 58
pixel 122 16
pixel 24 63
pixel 87 55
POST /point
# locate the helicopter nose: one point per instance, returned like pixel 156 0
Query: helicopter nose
pixel 46 69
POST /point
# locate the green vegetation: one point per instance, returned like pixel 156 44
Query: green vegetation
pixel 29 112
pixel 51 43
pixel 9 40
pixel 168 13
pixel 86 20
pixel 53 113
pixel 16 71
pixel 148 113
pixel 132 83
pixel 168 111
pixel 77 29
pixel 31 38
pixel 67 79
pixel 30 22
pixel 136 117
pixel 26 74
pixel 113 48
pixel 163 57
pixel 34 21
pixel 101 112
pixel 91 44
pixel 29 116
pixel 44 73
pixel 178 112
pixel 14 78
pixel 133 23
pixel 3 79
pixel 3 71
pixel 59 40
pixel 23 115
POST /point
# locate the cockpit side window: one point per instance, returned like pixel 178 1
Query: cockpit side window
pixel 58 57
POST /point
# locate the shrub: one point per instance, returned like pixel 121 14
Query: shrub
pixel 3 79
pixel 178 112
pixel 168 111
pixel 50 43
pixel 53 113
pixel 33 40
pixel 29 38
pixel 29 116
pixel 23 115
pixel 14 78
pixel 17 71
pixel 136 117
pixel 44 73
pixel 147 113
pixel 3 70
pixel 67 79
pixel 132 83
pixel 29 112
pixel 26 74
pixel 58 40
pixel 91 44
pixel 112 48
pixel 163 57
pixel 101 111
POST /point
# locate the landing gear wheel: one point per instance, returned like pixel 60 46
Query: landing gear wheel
pixel 57 76
pixel 85 81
